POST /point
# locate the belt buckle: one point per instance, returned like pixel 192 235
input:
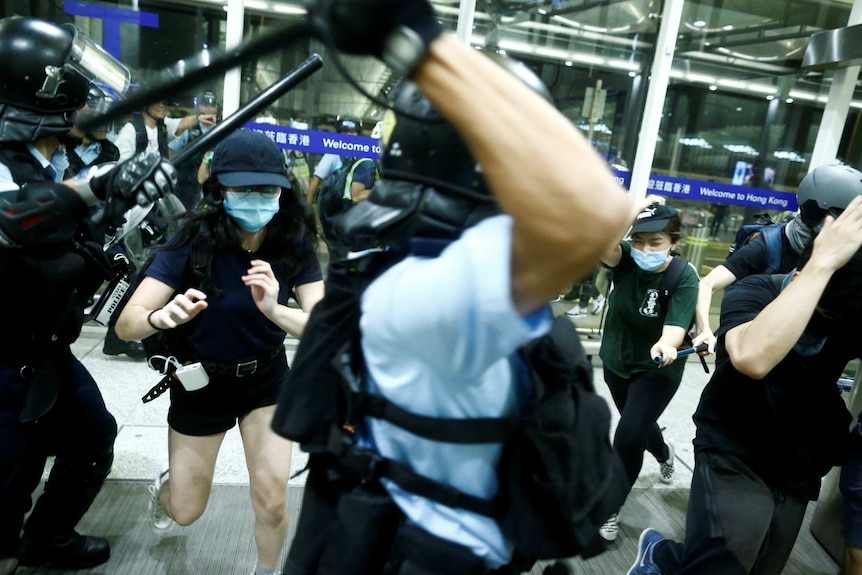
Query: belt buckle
pixel 246 368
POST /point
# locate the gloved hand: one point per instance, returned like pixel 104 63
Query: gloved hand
pixel 141 180
pixel 396 31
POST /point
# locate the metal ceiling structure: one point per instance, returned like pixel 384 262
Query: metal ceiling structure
pixel 724 42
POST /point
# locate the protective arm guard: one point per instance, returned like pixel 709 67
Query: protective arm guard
pixel 39 214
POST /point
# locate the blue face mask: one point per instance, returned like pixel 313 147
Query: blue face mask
pixel 252 210
pixel 649 261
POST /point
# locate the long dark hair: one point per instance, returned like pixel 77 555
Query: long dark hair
pixel 291 235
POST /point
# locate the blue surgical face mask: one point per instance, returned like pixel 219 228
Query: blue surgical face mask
pixel 252 211
pixel 649 261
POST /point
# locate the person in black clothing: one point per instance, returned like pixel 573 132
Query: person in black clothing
pixel 825 190
pixel 771 422
pixel 51 260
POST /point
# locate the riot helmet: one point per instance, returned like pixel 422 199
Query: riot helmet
pixel 207 103
pixel 98 102
pixel 45 74
pixel 432 187
pixel 348 124
pixel 47 68
pixel 827 190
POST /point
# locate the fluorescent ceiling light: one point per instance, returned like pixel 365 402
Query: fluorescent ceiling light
pixel 729 83
pixel 799 95
pixel 762 88
pixel 288 9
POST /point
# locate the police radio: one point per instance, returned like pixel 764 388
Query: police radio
pixel 113 294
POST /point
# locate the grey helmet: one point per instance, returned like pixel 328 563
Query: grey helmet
pixel 825 190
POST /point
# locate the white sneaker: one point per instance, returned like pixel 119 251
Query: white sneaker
pixel 611 528
pixel 666 467
pixel 577 311
pixel 598 304
pixel 160 522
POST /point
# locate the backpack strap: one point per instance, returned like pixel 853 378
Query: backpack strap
pixel 772 236
pixel 665 289
pixel 371 466
pixel 200 267
pixel 670 279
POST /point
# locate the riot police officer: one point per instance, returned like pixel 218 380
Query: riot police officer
pixel 51 261
pixel 484 243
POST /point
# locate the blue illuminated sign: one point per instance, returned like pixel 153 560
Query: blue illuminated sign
pixel 319 142
pixel 112 18
pixel 715 192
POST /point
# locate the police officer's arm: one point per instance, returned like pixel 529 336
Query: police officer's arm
pixel 47 212
pixel 758 346
pixel 718 278
pixel 313 185
pixel 567 209
pixel 192 121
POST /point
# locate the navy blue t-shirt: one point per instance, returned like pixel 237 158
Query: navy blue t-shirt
pixel 231 329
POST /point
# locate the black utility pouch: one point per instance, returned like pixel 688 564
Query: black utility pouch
pixel 417 552
pixel 367 519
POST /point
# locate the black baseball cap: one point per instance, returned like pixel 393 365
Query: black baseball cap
pixel 653 218
pixel 248 158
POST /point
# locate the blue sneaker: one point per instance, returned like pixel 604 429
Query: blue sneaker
pixel 643 564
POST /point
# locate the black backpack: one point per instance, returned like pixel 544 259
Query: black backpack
pixel 559 476
pixel 771 233
pixel 330 197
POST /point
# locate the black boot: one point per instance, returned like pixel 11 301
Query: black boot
pixel 115 346
pixel 72 551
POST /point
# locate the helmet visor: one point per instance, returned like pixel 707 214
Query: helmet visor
pixel 93 62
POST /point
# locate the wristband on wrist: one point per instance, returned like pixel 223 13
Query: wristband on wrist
pixel 150 321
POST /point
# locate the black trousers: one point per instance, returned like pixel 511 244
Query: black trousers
pixel 640 400
pixel 735 524
pixel 78 431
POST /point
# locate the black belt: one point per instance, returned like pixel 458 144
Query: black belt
pixel 244 368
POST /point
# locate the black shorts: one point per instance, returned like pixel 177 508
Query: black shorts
pixel 217 407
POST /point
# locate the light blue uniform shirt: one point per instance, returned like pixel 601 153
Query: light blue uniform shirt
pixel 437 334
pixel 58 164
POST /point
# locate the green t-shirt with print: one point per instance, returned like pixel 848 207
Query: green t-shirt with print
pixel 634 319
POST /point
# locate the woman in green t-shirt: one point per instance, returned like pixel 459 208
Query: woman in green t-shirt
pixel 637 330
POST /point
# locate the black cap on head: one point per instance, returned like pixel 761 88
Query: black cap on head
pixel 653 218
pixel 248 158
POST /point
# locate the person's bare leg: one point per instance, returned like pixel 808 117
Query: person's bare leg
pixel 852 559
pixel 191 460
pixel 268 458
